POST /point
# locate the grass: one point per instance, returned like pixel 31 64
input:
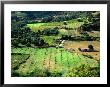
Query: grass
pixel 44 62
pixel 41 26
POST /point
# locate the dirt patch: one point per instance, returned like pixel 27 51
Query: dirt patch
pixel 48 64
pixel 74 45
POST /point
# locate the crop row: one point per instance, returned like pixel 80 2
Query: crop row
pixel 52 58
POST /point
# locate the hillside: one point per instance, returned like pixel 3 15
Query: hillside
pixel 55 43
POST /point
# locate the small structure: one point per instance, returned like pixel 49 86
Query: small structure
pixel 61 44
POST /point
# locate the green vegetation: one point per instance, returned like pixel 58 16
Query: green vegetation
pixel 71 24
pixel 50 40
pixel 17 59
pixel 38 43
pixel 48 60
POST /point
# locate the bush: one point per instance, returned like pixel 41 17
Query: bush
pixel 28 44
pixel 14 73
pixel 80 20
pixel 65 23
pixel 89 56
pixel 56 74
pixel 23 41
pixel 84 71
pixel 38 41
pixel 90 47
pixel 14 42
pixel 66 37
pixel 50 31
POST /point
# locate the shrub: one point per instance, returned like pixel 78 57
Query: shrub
pixel 50 31
pixel 84 71
pixel 80 20
pixel 14 42
pixel 91 47
pixel 38 41
pixel 65 23
pixel 89 56
pixel 66 37
pixel 28 44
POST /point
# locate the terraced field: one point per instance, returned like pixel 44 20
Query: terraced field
pixel 51 62
pixel 71 24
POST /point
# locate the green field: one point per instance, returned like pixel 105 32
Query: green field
pixel 51 62
pixel 72 24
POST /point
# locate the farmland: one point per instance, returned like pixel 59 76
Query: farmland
pixel 55 44
pixel 41 26
pixel 83 44
pixel 50 59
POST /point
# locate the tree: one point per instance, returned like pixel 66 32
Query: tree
pixel 50 31
pixel 91 48
pixel 65 23
pixel 28 44
pixel 80 19
pixel 14 42
pixel 23 41
pixel 94 22
pixel 39 41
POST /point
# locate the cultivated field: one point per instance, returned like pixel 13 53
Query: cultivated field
pixel 52 61
pixel 72 24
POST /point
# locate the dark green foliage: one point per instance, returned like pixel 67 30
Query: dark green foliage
pixel 85 34
pixel 65 23
pixel 14 73
pixel 56 74
pixel 47 16
pixel 87 26
pixel 91 48
pixel 66 37
pixel 85 37
pixel 28 44
pixel 94 19
pixel 26 37
pixel 52 31
pixel 17 59
pixel 38 41
pixel 23 34
pixel 14 42
pixel 88 56
pixel 80 20
pixel 39 32
pixel 84 71
pixel 23 41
